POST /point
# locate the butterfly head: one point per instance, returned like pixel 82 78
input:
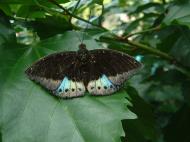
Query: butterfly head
pixel 82 46
pixel 83 53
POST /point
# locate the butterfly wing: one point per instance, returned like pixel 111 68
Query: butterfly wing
pixel 66 76
pixel 58 74
pixel 109 70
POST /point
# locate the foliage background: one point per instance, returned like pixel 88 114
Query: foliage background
pixel 153 106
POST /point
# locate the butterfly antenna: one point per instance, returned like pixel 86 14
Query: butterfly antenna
pixel 86 26
pixel 78 36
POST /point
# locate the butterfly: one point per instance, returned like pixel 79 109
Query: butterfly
pixel 70 74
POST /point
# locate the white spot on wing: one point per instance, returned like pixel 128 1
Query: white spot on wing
pixel 121 78
pixel 50 84
pixel 80 88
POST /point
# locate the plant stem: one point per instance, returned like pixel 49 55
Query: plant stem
pixel 75 16
pixel 142 32
pixel 150 50
pixel 76 6
pixel 141 46
pixel 164 1
pixel 101 16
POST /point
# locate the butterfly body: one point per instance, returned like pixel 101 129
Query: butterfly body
pixel 71 74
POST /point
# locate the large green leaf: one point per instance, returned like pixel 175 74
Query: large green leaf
pixel 179 13
pixel 179 126
pixel 181 50
pixel 30 11
pixel 29 113
pixel 143 128
pixel 54 24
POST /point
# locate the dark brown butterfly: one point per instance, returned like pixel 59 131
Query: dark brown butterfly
pixel 70 74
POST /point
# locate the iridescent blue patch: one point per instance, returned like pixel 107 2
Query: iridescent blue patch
pixel 65 84
pixel 106 82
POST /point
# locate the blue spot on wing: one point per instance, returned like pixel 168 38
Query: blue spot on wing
pixel 105 81
pixel 139 58
pixel 65 84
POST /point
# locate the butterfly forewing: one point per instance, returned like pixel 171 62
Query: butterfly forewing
pixel 52 66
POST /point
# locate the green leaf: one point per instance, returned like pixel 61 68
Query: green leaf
pixel 178 13
pixel 6 9
pixel 28 11
pixel 28 2
pixel 134 24
pixel 149 7
pixel 167 36
pixel 143 128
pixel 31 114
pixel 0 137
pixel 158 92
pixel 7 34
pixel 173 40
pixel 98 1
pixel 181 50
pixel 179 126
pixel 186 90
pixel 50 26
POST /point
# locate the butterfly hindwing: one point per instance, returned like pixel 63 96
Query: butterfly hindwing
pixel 112 69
